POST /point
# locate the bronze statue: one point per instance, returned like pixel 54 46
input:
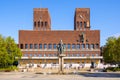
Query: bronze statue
pixel 60 47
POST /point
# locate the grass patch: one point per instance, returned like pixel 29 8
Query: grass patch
pixel 8 69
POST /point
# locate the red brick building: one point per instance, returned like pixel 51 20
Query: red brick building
pixel 82 45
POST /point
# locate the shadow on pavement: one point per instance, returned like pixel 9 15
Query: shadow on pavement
pixel 105 75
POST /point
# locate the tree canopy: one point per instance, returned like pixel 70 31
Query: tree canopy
pixel 111 51
pixel 9 51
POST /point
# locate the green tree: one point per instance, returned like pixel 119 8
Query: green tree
pixel 111 51
pixel 9 51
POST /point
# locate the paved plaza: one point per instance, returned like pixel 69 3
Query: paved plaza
pixel 77 76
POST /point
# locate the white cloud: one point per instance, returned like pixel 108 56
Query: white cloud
pixel 116 35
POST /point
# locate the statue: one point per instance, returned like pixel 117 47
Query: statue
pixel 60 47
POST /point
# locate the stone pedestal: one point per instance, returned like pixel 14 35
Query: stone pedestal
pixel 61 63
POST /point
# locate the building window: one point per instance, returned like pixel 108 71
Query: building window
pixel 72 55
pixel 83 46
pixel 30 55
pixel 97 46
pixel 73 46
pixel 78 46
pixel 35 46
pixel 87 55
pixel 40 46
pixel 35 55
pixel 45 46
pixel 46 23
pixel 96 54
pixel 68 55
pixel 21 46
pixel 25 55
pixel 64 45
pixel 78 55
pixel 26 46
pixel 82 55
pixel 44 55
pixel 54 46
pixel 40 55
pixel 38 23
pixel 49 55
pixel 87 46
pixel 80 24
pixel 92 46
pixel 92 55
pixel 31 46
pixel 49 46
pixel 55 54
pixel 68 46
pixel 85 24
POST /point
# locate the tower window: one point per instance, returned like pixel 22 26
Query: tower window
pixel 81 24
pixel 38 23
pixel 97 46
pixel 34 23
pixel 85 24
pixel 77 23
pixel 45 23
pixel 41 23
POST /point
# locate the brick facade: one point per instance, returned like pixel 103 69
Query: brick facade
pixel 41 41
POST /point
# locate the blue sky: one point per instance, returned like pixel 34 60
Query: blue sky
pixel 18 15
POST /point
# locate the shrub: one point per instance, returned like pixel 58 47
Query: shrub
pixel 113 69
pixel 8 69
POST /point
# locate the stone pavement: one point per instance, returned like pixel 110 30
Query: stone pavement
pixel 77 76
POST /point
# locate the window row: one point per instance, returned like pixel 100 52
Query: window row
pixel 81 24
pixel 40 23
pixel 54 46
pixel 55 55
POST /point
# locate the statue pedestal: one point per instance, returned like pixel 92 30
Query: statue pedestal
pixel 61 63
